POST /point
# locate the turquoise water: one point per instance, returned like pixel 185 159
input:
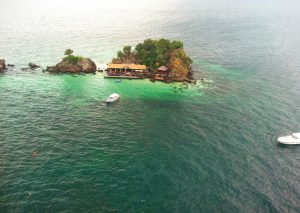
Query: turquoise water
pixel 209 147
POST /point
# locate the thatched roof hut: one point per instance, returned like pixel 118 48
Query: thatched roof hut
pixel 126 66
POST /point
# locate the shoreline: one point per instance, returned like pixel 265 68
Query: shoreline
pixel 152 78
pixel 155 59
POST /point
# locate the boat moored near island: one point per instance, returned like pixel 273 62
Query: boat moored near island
pixel 102 67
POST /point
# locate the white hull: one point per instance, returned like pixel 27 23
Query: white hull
pixel 293 139
pixel 112 98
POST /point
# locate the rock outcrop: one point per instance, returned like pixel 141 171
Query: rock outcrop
pixel 2 65
pixel 85 65
pixel 180 66
pixel 33 66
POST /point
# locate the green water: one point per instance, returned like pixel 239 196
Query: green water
pixel 209 147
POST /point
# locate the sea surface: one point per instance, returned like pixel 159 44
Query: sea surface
pixel 209 147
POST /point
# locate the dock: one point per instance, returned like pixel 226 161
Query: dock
pixel 123 77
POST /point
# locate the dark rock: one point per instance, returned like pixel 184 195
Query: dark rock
pixel 51 69
pixel 10 65
pixel 88 66
pixel 33 66
pixel 85 65
pixel 66 67
pixel 2 65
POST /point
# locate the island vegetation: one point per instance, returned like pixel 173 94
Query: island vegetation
pixel 70 58
pixel 165 59
pixel 73 64
pixel 162 60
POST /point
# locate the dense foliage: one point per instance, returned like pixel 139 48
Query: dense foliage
pixel 126 56
pixel 71 59
pixel 152 53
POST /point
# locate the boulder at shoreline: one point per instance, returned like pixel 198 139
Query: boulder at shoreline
pixel 33 66
pixel 2 65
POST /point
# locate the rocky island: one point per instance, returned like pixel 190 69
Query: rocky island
pixel 158 60
pixel 162 60
pixel 2 65
pixel 73 64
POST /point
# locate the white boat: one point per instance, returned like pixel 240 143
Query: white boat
pixel 102 67
pixel 112 98
pixel 292 139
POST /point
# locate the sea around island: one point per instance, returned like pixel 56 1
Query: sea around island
pixel 204 147
pixel 100 87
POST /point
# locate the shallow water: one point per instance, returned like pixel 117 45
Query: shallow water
pixel 209 147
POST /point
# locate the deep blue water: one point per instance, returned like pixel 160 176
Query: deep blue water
pixel 209 147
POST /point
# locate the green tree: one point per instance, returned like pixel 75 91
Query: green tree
pixel 68 52
pixel 127 50
pixel 120 54
pixel 71 59
pixel 177 44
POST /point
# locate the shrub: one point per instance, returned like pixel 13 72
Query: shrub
pixel 71 59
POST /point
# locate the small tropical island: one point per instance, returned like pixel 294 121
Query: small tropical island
pixel 73 64
pixel 161 60
pixel 157 60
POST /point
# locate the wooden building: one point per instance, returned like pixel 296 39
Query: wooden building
pixel 126 69
pixel 163 69
pixel 162 73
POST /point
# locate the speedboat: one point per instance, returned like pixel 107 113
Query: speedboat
pixel 112 98
pixel 292 139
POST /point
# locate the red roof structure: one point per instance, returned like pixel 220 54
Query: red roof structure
pixel 163 69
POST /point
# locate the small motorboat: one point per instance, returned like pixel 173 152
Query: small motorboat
pixel 102 67
pixel 112 98
pixel 292 139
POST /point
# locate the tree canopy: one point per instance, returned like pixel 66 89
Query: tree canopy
pixel 71 59
pixel 68 52
pixel 153 53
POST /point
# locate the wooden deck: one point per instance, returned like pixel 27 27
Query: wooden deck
pixel 122 77
pixel 159 78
